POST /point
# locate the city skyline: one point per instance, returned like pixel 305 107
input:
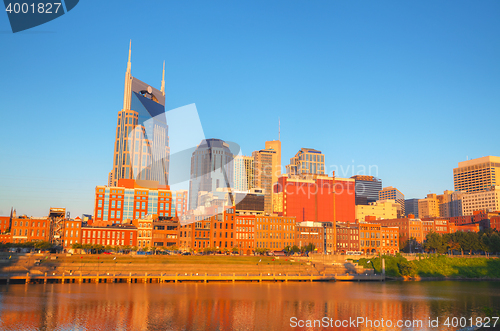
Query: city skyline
pixel 340 105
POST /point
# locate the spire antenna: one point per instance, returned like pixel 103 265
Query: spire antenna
pixel 163 80
pixel 128 80
pixel 129 64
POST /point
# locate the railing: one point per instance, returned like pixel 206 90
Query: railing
pixel 108 277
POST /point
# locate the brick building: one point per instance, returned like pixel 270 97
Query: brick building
pixel 117 235
pixel 30 229
pixel 131 200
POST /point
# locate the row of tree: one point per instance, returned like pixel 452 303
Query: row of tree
pixel 484 241
pixel 38 245
pixel 97 248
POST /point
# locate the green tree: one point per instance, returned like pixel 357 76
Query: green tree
pixel 310 247
pixel 406 268
pixel 87 247
pixel 495 243
pixel 43 245
pixel 434 243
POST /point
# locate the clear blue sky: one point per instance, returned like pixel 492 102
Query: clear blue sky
pixel 412 87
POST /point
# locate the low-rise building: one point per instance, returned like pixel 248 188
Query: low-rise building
pixel 245 233
pixel 117 235
pixel 390 239
pixel 165 233
pixel 347 237
pixel 381 209
pixel 369 237
pixel 310 233
pixel 275 232
pixel 72 232
pixel 30 229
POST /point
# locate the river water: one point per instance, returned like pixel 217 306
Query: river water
pixel 246 306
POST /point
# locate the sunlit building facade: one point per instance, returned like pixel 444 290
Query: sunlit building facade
pixel 477 175
pixel 307 161
pixel 129 201
pixel 243 173
pixel 211 169
pixel 141 141
pixel 392 193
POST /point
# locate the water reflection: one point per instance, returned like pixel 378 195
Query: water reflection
pixel 240 306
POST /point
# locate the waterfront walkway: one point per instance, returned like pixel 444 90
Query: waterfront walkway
pixel 80 278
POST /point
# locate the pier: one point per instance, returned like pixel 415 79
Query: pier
pixel 81 278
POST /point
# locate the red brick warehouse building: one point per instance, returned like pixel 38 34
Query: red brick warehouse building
pixel 317 198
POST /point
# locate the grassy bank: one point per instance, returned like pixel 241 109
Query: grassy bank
pixel 439 266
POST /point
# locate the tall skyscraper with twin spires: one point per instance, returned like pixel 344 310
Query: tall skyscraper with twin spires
pixel 141 143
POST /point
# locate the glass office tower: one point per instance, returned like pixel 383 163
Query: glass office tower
pixel 141 142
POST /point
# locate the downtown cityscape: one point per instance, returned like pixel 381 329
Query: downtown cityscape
pixel 251 204
pixel 250 165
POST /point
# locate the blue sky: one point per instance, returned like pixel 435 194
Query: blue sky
pixel 409 87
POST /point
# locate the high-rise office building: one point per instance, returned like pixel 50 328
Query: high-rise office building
pixel 411 207
pixel 450 203
pixel 307 161
pixel 477 175
pixel 211 168
pixel 179 202
pixel 141 142
pixel 488 200
pixel 243 173
pixel 263 168
pixel 275 145
pixel 428 207
pixel 367 188
pixel 392 193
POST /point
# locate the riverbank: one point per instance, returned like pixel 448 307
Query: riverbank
pixel 35 266
pixel 438 267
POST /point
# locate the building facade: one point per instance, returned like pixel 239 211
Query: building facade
pixel 392 193
pixel 211 168
pixel 179 203
pixel 367 188
pixel 129 201
pixel 275 145
pixel 488 200
pixel 381 209
pixel 115 235
pixel 243 173
pixel 30 229
pixel 477 175
pixel 141 141
pixel 347 237
pixel 263 172
pixel 411 207
pixel 307 161
pixel 428 207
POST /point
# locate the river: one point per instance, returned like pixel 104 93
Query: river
pixel 246 306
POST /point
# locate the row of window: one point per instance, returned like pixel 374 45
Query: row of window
pixel 111 234
pixel 20 232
